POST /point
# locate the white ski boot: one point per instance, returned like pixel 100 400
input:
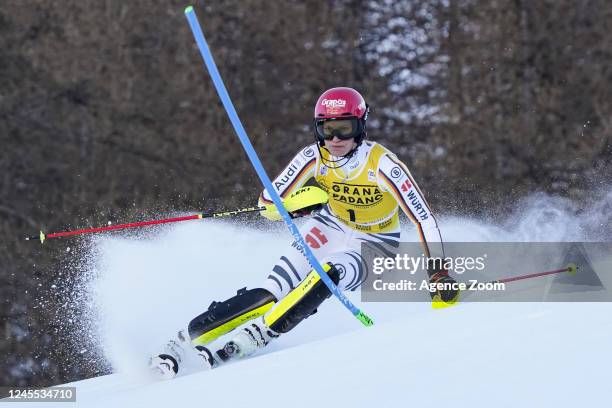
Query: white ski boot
pixel 176 352
pixel 164 365
pixel 254 336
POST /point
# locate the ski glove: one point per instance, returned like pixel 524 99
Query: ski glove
pixel 301 202
pixel 447 294
pixel 302 212
pixel 272 213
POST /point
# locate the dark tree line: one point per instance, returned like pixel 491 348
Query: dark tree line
pixel 106 113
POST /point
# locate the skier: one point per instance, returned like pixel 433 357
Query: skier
pixel 367 185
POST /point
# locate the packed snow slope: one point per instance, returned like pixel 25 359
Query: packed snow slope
pixel 477 355
pixel 140 289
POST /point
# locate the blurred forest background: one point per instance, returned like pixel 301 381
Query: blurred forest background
pixel 106 113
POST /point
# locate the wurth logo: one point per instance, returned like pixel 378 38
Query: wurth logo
pixel 416 206
pixel 406 186
pixel 333 103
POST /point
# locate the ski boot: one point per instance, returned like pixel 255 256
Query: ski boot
pixel 175 353
pixel 298 305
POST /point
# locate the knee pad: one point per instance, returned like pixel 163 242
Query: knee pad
pixel 302 301
pixel 223 317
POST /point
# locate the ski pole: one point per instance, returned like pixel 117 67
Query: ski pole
pixel 570 268
pixel 42 236
pixel 261 172
pixel 303 198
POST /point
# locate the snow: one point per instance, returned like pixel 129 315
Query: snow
pixel 477 354
pixel 144 288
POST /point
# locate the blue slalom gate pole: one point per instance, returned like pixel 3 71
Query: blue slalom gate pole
pixel 261 172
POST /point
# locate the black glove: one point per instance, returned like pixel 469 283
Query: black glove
pixel 302 212
pixel 449 294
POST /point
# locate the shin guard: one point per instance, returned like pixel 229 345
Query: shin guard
pixel 223 317
pixel 301 302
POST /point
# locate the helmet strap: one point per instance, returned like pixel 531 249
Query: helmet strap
pixel 344 159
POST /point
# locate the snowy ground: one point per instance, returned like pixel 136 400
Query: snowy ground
pixel 143 289
pixel 478 355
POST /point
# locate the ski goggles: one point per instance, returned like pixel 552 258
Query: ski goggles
pixel 342 128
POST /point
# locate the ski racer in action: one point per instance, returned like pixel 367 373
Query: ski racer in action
pixel 366 186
